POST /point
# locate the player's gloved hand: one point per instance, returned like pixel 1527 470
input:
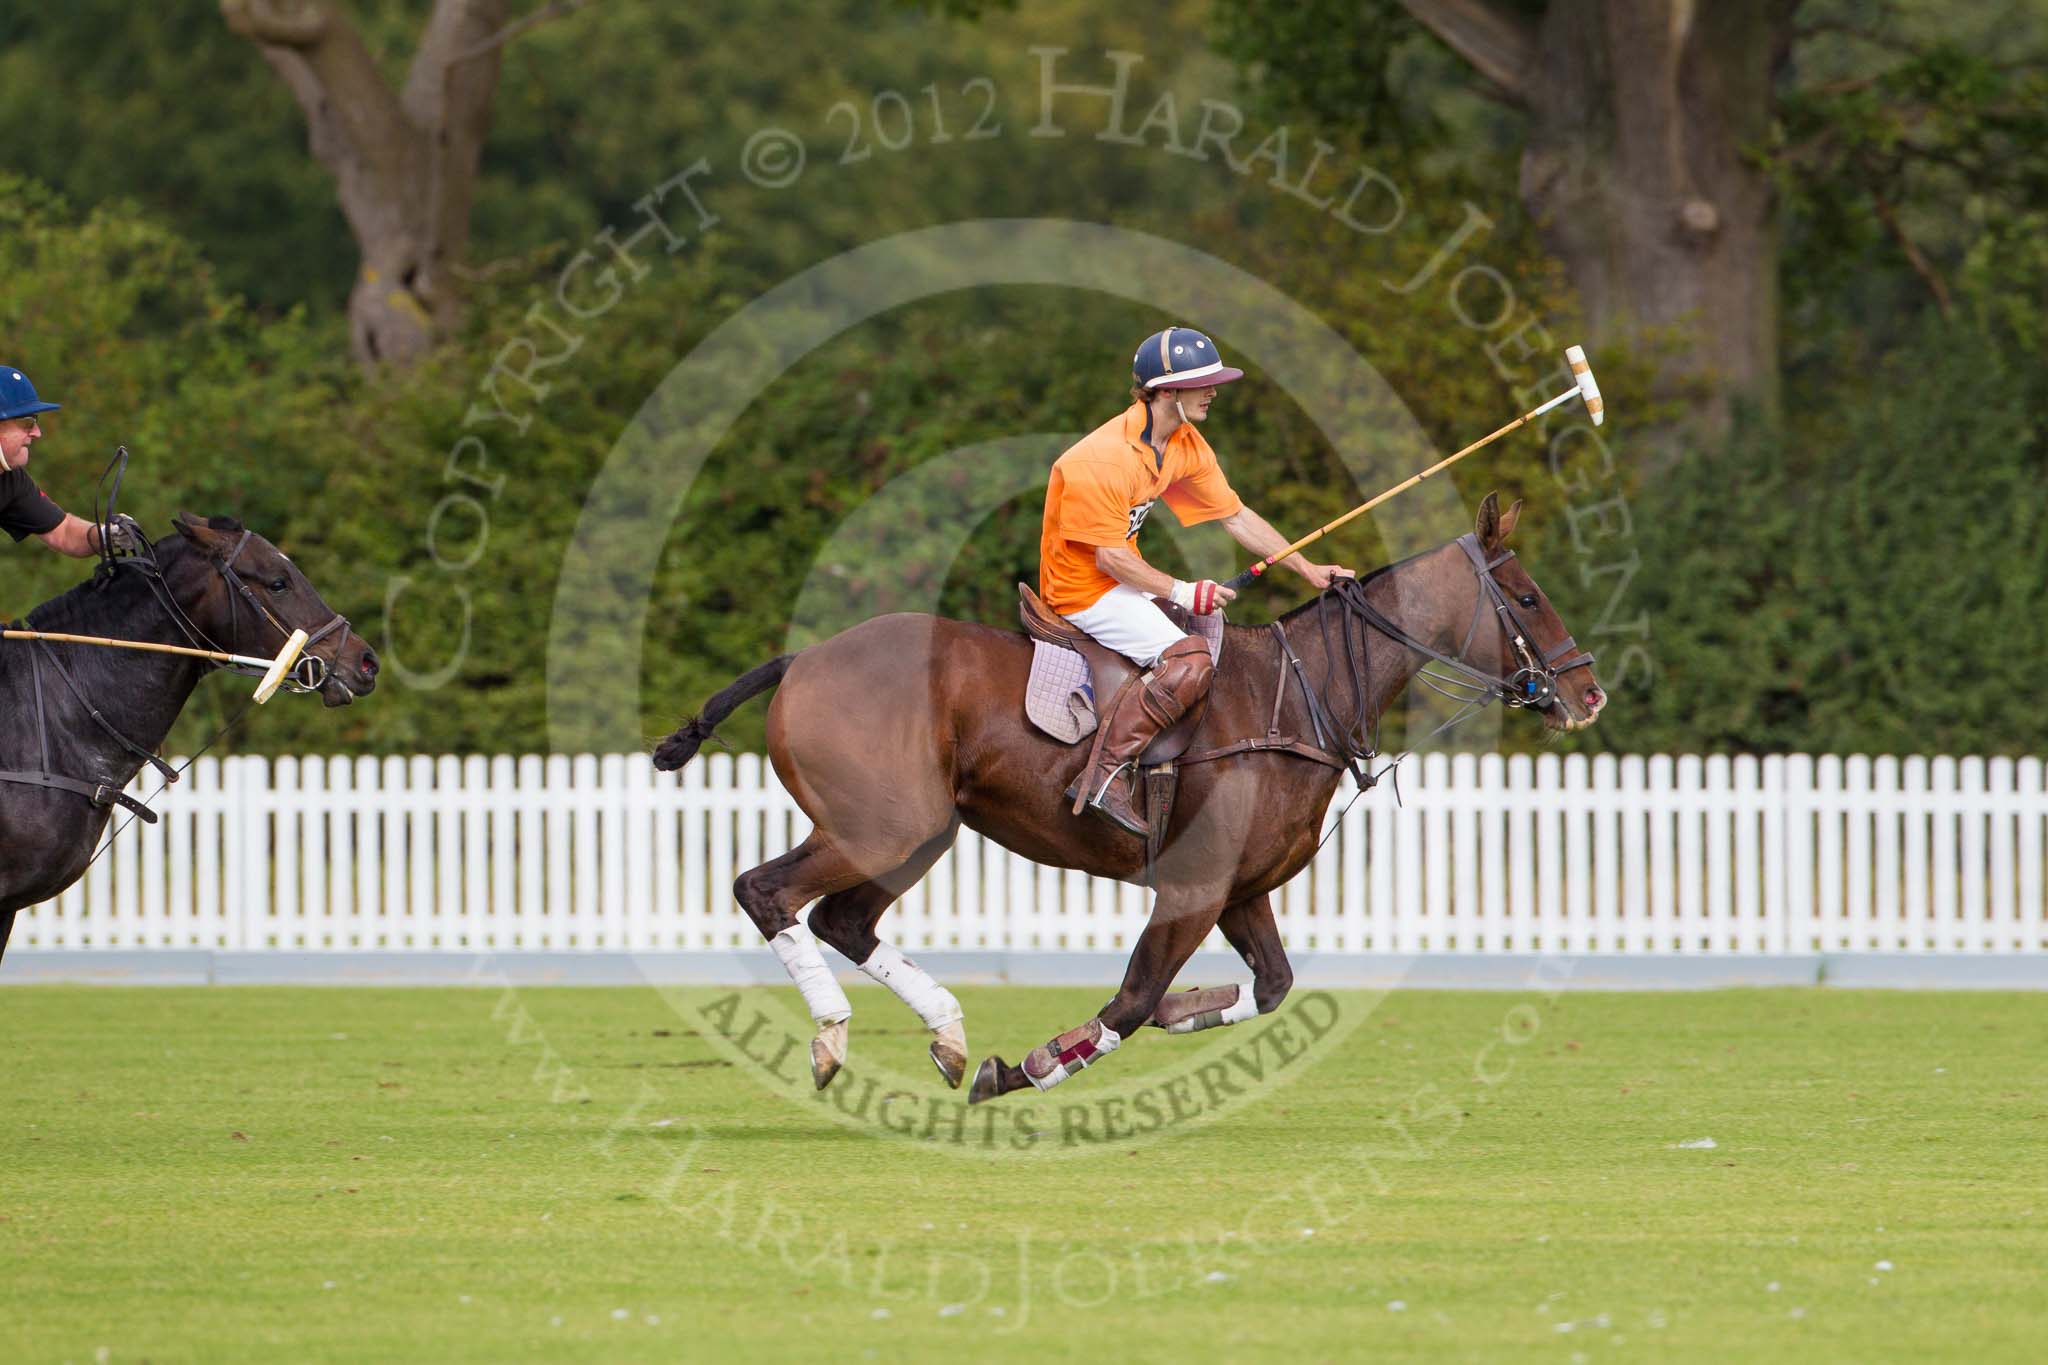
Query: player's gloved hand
pixel 1201 597
pixel 122 535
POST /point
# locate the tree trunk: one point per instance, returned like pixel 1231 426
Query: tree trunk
pixel 404 162
pixel 1636 171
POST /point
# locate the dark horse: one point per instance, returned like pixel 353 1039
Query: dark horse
pixel 892 734
pixel 91 716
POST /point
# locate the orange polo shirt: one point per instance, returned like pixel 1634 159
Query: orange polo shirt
pixel 1102 490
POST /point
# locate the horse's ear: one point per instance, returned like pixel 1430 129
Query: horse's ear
pixel 1494 526
pixel 200 531
pixel 1487 525
pixel 1508 520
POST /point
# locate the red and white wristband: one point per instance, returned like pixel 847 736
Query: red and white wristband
pixel 1198 597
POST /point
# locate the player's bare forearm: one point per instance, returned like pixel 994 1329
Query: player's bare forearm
pixel 74 536
pixel 1256 534
pixel 1132 571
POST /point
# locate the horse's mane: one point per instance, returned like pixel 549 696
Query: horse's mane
pixel 99 603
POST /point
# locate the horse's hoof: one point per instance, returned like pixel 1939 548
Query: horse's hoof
pixel 987 1081
pixel 828 1053
pixel 949 1052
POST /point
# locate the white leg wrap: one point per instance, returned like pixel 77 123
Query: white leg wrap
pixel 913 986
pixel 799 954
pixel 1243 1008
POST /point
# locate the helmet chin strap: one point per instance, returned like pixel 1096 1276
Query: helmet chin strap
pixel 1181 410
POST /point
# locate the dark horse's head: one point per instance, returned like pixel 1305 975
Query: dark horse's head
pixel 248 597
pixel 1528 641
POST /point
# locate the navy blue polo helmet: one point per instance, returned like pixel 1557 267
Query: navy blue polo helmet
pixel 1180 358
pixel 18 396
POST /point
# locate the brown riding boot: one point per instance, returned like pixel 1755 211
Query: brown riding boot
pixel 1140 714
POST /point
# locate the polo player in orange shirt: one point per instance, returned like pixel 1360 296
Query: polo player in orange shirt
pixel 1090 570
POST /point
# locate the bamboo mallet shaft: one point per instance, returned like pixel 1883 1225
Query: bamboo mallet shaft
pixel 217 656
pixel 1583 387
pixel 274 670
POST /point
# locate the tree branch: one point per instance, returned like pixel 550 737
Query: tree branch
pixel 354 124
pixel 1842 30
pixel 261 21
pixel 1914 256
pixel 1498 43
pixel 554 9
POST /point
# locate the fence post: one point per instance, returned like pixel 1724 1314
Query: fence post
pixel 1797 817
pixel 254 820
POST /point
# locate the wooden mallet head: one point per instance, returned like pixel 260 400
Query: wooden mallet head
pixel 1589 388
pixel 281 665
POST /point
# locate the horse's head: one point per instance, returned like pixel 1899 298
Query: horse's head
pixel 253 596
pixel 1529 646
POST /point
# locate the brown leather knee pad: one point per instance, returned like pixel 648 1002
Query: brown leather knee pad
pixel 1179 680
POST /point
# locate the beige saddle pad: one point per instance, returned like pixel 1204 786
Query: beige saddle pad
pixel 1059 698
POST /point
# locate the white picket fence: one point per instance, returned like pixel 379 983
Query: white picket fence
pixel 1658 854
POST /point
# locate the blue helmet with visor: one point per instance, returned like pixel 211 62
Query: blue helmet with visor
pixel 1180 358
pixel 18 396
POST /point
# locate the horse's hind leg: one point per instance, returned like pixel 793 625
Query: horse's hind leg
pixel 846 920
pixel 1172 936
pixel 1248 926
pixel 771 894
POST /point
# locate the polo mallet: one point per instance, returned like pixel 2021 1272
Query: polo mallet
pixel 274 670
pixel 1584 387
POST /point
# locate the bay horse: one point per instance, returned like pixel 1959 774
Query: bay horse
pixel 894 733
pixel 77 722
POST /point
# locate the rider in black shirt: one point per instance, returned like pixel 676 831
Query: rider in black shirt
pixel 25 510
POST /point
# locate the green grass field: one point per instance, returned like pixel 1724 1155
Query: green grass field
pixel 339 1174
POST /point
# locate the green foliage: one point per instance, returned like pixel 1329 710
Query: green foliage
pixel 1868 584
pixel 1907 134
pixel 1365 70
pixel 1794 593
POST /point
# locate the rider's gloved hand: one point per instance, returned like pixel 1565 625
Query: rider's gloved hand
pixel 1200 597
pixel 122 534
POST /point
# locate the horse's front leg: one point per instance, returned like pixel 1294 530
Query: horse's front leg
pixel 1177 928
pixel 1248 927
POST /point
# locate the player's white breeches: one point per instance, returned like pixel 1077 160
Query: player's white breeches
pixel 1125 620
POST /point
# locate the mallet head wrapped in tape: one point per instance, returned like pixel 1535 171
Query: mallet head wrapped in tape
pixel 281 665
pixel 1589 387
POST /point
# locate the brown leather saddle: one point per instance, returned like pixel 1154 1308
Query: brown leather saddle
pixel 1110 672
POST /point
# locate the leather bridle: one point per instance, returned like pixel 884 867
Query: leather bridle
pixel 1534 684
pixel 1531 685
pixel 309 674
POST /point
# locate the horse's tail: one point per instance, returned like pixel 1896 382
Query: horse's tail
pixel 680 747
